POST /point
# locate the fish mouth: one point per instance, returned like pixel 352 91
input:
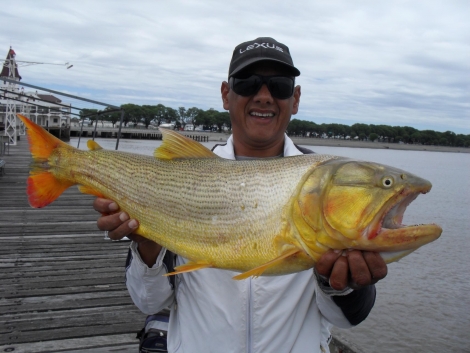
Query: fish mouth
pixel 390 234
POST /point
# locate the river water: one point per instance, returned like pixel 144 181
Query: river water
pixel 423 305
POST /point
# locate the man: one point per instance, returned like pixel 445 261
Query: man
pixel 214 313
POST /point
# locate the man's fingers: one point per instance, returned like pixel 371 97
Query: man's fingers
pixel 118 225
pixel 377 266
pixel 325 264
pixel 105 206
pixel 339 274
pixel 360 273
pixel 123 230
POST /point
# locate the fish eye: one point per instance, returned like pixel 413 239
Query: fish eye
pixel 387 182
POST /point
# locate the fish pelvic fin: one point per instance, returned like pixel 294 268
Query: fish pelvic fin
pixel 42 186
pixel 93 145
pixel 177 146
pixel 41 143
pixel 189 267
pixel 91 191
pixel 258 271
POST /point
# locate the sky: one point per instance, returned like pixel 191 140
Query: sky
pixel 399 63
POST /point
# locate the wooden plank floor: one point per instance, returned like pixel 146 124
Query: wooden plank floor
pixel 61 284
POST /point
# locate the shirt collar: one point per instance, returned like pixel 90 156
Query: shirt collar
pixel 226 151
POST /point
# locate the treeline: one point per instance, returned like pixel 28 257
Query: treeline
pixel 383 133
pixel 158 114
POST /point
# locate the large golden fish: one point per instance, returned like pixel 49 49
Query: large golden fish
pixel 258 217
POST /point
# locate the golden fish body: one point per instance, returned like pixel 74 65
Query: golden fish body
pixel 266 216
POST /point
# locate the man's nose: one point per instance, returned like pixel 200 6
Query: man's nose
pixel 263 95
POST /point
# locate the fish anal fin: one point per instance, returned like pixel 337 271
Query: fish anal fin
pixel 258 271
pixel 189 267
pixel 91 191
pixel 44 187
pixel 93 145
pixel 177 146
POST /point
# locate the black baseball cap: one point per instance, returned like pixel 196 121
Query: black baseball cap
pixel 261 49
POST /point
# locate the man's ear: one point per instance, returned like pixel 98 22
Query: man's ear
pixel 295 104
pixel 224 90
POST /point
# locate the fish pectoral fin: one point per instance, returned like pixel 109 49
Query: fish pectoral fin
pixel 189 267
pixel 93 145
pixel 89 190
pixel 258 271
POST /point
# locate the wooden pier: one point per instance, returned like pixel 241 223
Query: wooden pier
pixel 62 285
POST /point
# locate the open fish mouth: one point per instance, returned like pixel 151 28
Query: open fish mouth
pixel 394 217
pixel 392 235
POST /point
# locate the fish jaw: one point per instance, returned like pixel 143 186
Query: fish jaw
pixel 347 204
pixel 388 235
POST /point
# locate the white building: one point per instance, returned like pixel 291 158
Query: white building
pixel 44 109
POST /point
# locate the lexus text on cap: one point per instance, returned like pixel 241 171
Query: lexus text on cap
pixel 261 49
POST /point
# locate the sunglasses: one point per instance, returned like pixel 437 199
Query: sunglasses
pixel 280 87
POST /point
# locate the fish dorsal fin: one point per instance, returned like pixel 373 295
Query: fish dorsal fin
pixel 176 146
pixel 93 146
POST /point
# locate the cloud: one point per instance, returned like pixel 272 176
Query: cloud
pixel 395 63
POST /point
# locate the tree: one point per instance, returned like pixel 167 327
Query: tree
pixel 159 113
pixel 221 119
pixel 148 114
pixel 113 117
pixel 181 116
pixel 169 115
pixel 191 115
pixel 373 136
pixel 91 114
pixel 132 113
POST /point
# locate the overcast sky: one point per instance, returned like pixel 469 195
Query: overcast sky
pixel 375 62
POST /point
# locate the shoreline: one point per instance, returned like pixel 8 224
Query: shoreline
pixel 308 141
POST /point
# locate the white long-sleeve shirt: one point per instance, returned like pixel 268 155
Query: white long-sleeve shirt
pixel 211 312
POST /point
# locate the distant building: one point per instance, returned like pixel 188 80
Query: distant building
pixel 44 109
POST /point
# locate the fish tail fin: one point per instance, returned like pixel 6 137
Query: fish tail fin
pixel 41 143
pixel 43 186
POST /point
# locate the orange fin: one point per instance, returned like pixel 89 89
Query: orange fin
pixel 89 190
pixel 177 146
pixel 43 188
pixel 258 271
pixel 41 143
pixel 189 267
pixel 93 146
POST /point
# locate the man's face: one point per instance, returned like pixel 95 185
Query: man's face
pixel 259 121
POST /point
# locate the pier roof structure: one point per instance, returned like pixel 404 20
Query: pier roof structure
pixel 7 68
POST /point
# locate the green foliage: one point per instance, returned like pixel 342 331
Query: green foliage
pixel 91 114
pixel 382 133
pixel 210 118
pixel 373 136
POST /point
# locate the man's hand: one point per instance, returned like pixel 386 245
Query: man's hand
pixel 118 224
pixel 115 222
pixel 351 268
